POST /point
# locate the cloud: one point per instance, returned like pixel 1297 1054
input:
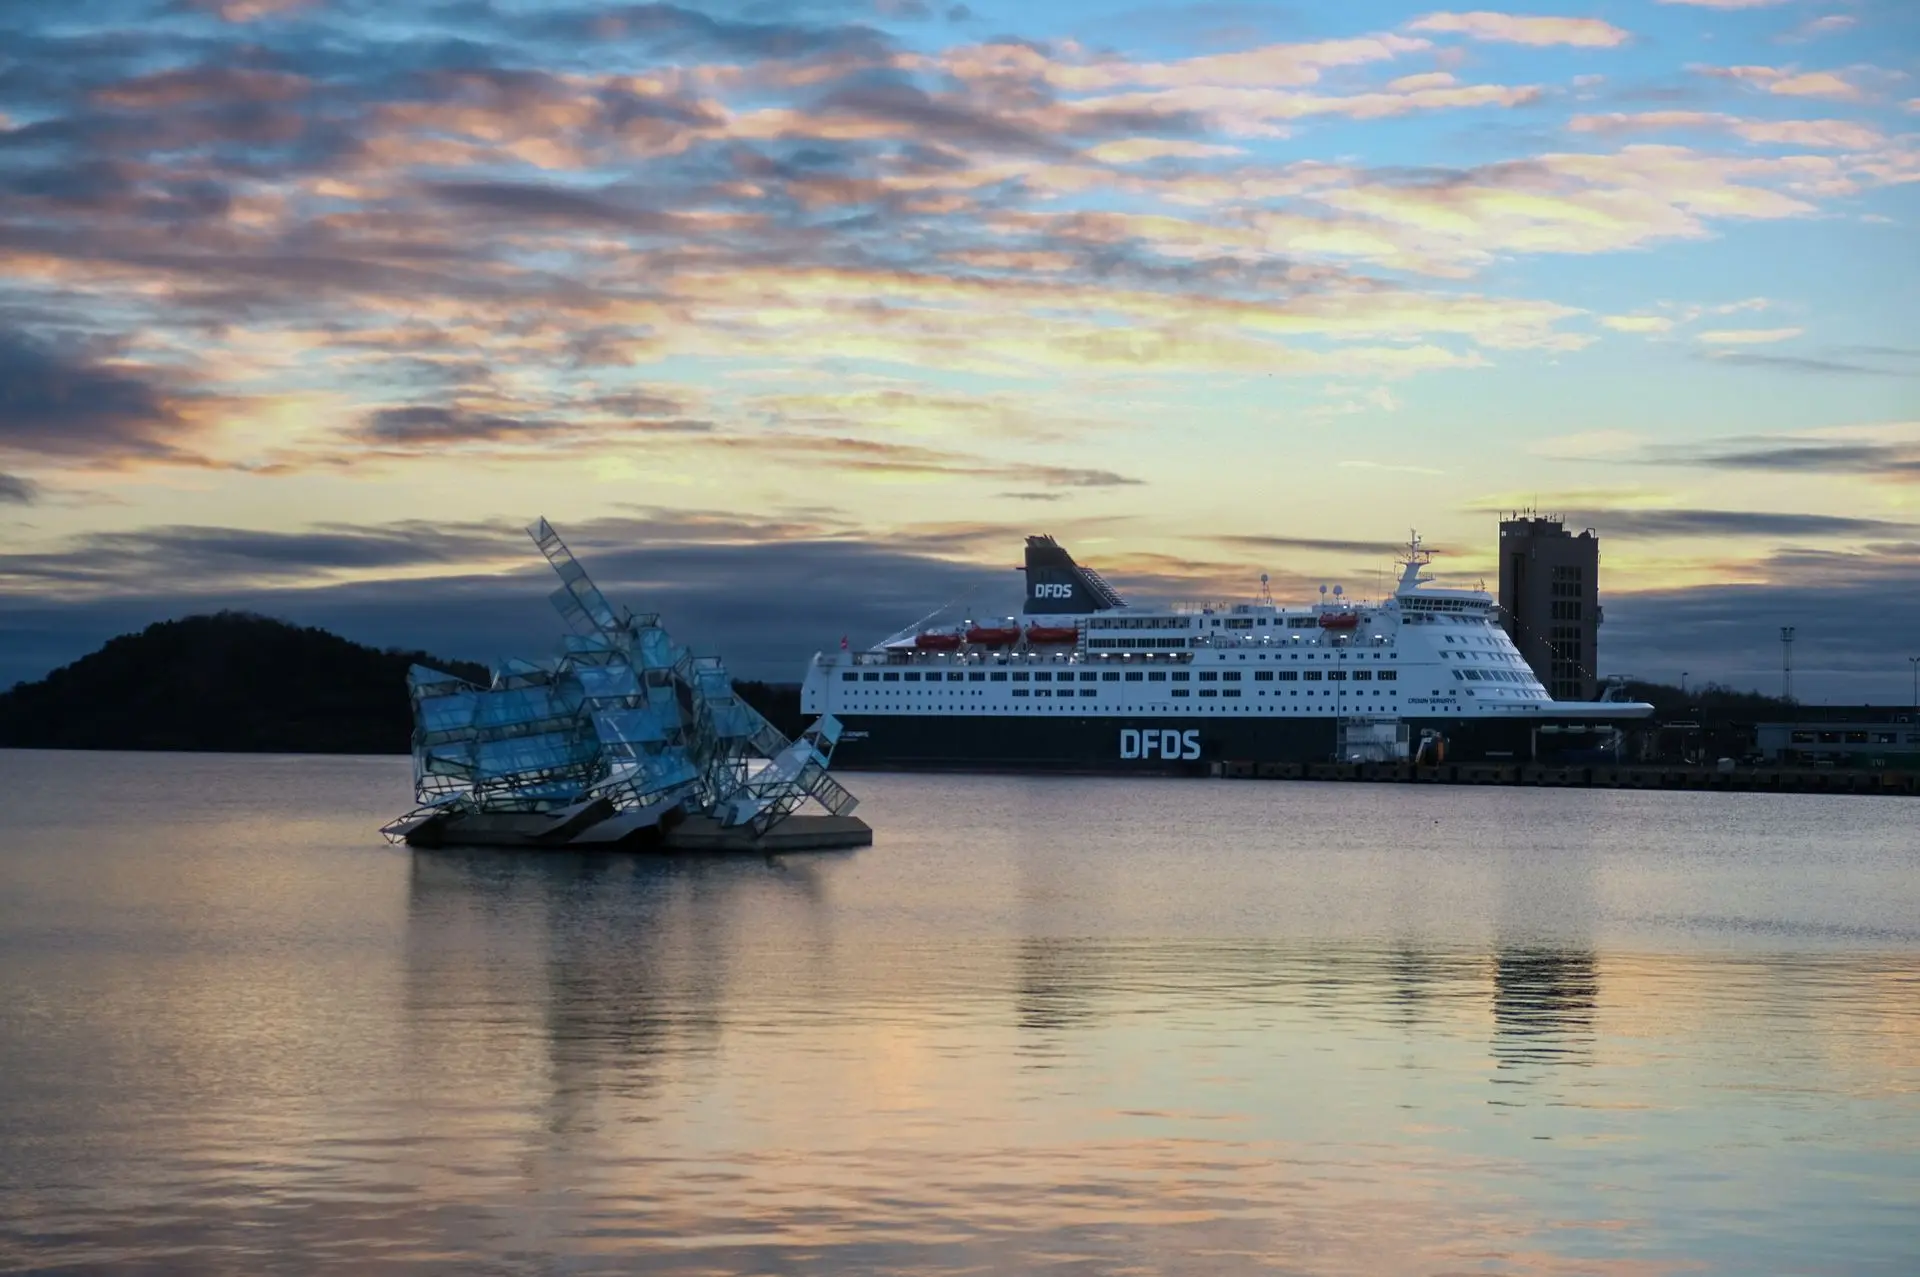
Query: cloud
pixel 58 400
pixel 1748 336
pixel 1798 363
pixel 1727 4
pixel 16 490
pixel 1818 134
pixel 1790 82
pixel 1637 323
pixel 1827 24
pixel 1506 28
pixel 1683 523
pixel 1316 545
pixel 1896 461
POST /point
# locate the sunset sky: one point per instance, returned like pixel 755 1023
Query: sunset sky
pixel 796 317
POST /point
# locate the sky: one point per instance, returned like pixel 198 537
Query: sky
pixel 795 318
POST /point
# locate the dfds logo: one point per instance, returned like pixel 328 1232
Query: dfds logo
pixel 1052 590
pixel 1152 743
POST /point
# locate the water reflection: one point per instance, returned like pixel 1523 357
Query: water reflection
pixel 1020 1035
pixel 1543 1002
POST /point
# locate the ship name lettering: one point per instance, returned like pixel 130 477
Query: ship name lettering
pixel 1052 590
pixel 1154 743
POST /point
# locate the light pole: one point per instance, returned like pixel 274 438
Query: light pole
pixel 1683 685
pixel 1915 662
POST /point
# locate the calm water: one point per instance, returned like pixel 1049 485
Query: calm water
pixel 1093 1026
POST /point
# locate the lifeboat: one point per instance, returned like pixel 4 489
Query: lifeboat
pixel 993 635
pixel 1044 634
pixel 1339 620
pixel 929 641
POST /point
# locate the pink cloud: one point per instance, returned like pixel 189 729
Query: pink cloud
pixel 1507 28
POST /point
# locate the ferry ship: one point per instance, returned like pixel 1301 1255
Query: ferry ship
pixel 1083 682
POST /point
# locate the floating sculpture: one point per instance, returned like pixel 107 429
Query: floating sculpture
pixel 626 737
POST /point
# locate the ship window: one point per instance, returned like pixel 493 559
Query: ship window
pixel 1110 676
pixel 1313 676
pixel 1088 676
pixel 1288 676
pixel 1388 676
pixel 1042 676
pixel 1459 676
pixel 1231 691
pixel 1472 675
pixel 955 676
pixel 1181 691
pixel 870 678
pixel 1134 676
pixel 1856 738
pixel 849 677
pixel 890 678
pixel 1179 676
pixel 1263 676
pixel 1232 676
pixel 1157 676
pixel 998 676
pixel 1362 676
pixel 1020 691
pixel 1043 691
pixel 1019 676
pixel 913 676
pixel 1209 676
pixel 977 677
pixel 1089 691
pixel 1209 691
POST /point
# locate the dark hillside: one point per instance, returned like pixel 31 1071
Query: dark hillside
pixel 232 681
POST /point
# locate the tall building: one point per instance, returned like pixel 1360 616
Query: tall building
pixel 1550 602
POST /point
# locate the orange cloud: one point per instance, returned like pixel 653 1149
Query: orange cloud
pixel 1507 28
pixel 1790 83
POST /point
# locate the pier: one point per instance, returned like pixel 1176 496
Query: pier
pixel 1772 780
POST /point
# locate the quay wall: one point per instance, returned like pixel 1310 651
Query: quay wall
pixel 1775 780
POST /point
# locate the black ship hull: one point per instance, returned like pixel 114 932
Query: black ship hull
pixel 1160 744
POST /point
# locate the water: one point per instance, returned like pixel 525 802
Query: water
pixel 1092 1026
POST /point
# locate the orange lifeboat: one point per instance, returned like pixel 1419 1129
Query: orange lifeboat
pixel 928 641
pixel 1339 620
pixel 993 635
pixel 1044 634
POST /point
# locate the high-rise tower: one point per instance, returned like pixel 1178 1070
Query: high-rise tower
pixel 1550 602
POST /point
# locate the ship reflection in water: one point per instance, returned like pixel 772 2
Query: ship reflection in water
pixel 1181 1028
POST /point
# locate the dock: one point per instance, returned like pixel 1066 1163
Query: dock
pixel 1771 780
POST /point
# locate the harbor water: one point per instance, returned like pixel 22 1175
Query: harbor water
pixel 1075 1025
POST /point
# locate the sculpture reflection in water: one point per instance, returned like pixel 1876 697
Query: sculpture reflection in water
pixel 625 738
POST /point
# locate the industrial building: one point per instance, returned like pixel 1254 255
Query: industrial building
pixel 1550 601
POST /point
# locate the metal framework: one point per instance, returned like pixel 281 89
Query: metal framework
pixel 624 715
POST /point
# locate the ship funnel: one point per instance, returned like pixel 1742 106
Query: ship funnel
pixel 1056 584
